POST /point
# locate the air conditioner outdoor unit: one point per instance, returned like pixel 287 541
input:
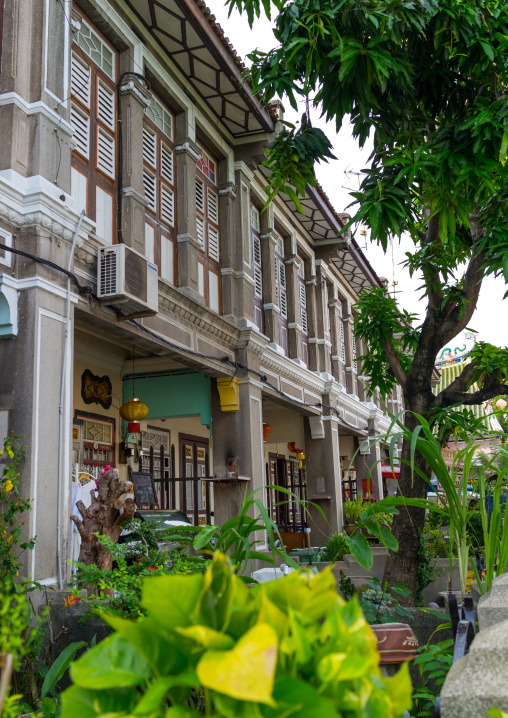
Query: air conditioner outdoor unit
pixel 127 279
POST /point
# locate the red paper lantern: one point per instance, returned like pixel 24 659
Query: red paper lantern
pixel 267 430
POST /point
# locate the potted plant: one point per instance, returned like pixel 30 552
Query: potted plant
pixel 335 548
pixel 396 641
pixel 351 511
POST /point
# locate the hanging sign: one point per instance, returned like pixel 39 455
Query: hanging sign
pixel 96 389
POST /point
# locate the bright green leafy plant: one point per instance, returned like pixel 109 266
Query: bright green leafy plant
pixel 240 536
pixel 11 507
pixel 422 83
pixel 335 548
pixel 457 500
pixel 433 662
pixel 379 605
pixel 210 645
pixel 153 552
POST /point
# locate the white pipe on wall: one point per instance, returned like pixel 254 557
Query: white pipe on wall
pixel 65 359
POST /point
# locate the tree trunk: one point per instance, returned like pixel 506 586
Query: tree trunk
pixel 102 517
pixel 402 565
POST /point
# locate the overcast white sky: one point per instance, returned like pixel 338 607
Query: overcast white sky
pixel 491 316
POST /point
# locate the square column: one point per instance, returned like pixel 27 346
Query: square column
pixel 231 280
pixel 187 155
pixel 237 434
pixel 134 97
pixel 322 464
pixel 370 462
pixel 31 371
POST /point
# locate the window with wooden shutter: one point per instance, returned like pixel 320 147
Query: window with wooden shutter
pixel 281 292
pixel 159 185
pixel 256 268
pixel 93 119
pixel 302 309
pixel 208 230
pixel 353 352
pixel 342 345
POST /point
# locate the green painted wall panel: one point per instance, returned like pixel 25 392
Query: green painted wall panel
pixel 170 396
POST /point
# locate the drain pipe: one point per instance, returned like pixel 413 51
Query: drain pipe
pixel 61 408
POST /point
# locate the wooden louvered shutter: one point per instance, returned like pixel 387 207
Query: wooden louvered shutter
pixel 256 268
pixel 159 186
pixel 208 231
pixel 93 119
pixel 342 346
pixel 353 352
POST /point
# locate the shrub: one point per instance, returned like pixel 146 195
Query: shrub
pixel 346 587
pixel 352 510
pixel 118 592
pixel 211 645
pixel 432 547
pixel 379 604
pixel 335 548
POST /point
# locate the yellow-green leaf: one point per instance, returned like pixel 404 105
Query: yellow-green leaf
pixel 207 637
pixel 400 689
pixel 247 671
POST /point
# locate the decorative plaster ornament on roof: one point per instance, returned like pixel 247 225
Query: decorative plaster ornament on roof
pixel 458 350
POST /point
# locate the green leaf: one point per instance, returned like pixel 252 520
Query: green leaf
pixel 78 702
pixel 113 663
pixel 151 700
pixel 49 707
pixel 204 536
pixel 172 600
pixel 60 665
pixel 162 650
pixel 359 547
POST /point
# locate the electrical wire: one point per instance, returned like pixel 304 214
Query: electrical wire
pixel 47 263
pixel 239 365
pixel 177 347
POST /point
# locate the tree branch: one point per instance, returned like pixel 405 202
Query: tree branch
pixel 460 384
pixel 430 273
pixel 456 392
pixel 456 318
pixel 394 363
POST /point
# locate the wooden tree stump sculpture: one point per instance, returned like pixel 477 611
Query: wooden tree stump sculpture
pixel 102 517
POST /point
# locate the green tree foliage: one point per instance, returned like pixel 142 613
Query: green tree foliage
pixel 211 646
pixel 425 81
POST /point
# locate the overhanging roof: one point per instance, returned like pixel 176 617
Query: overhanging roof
pixel 195 42
pixel 324 225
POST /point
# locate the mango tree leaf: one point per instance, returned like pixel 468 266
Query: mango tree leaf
pixel 247 671
pixel 111 664
pixel 359 547
pixel 59 666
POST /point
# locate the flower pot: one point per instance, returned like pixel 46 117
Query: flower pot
pixel 350 528
pixel 396 642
